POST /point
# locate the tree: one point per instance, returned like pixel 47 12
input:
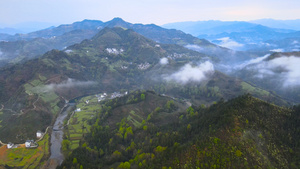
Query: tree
pixel 143 96
pixel 127 165
pixel 189 127
pixel 74 160
pixel 65 145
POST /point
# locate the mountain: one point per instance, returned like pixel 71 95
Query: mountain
pixel 237 35
pixel 278 72
pixel 10 31
pixel 156 132
pixel 21 47
pixel 159 34
pixel 172 36
pixel 59 30
pixel 214 27
pixel 94 64
pixel 280 24
pixel 27 27
pixel 13 52
pixel 4 36
pixel 115 59
pixel 88 28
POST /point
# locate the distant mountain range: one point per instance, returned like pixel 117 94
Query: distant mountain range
pixel 25 27
pixel 27 46
pixel 280 24
pixel 239 35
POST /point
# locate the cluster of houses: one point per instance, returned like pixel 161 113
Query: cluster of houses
pixel 124 67
pixel 143 66
pixel 103 96
pixel 114 51
pixel 28 143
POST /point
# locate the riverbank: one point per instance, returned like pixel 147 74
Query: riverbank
pixel 56 157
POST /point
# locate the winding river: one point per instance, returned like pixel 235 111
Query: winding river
pixel 57 157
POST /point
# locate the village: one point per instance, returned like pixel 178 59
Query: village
pixel 33 150
pixel 104 96
pixel 28 143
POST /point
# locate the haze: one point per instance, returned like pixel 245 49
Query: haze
pixel 144 11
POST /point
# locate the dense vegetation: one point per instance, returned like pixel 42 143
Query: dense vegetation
pixel 142 129
pixel 113 60
pixel 242 133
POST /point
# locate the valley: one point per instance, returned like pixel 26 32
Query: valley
pixel 148 97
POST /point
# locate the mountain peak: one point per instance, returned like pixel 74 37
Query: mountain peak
pixel 117 22
pixel 117 19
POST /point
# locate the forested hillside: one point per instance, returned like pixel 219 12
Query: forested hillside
pixel 244 132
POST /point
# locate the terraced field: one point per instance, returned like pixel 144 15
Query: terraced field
pixel 78 124
pixel 23 157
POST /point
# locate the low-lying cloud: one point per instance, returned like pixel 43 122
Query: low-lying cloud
pixel 164 61
pixel 252 61
pixel 188 73
pixel 229 43
pixel 277 50
pixel 70 83
pixel 285 68
pixel 194 47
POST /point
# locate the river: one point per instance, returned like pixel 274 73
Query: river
pixel 57 157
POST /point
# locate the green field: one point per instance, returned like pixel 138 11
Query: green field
pixel 78 123
pixel 37 87
pixel 25 158
pixel 254 90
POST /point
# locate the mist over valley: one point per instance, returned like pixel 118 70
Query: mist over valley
pixel 123 94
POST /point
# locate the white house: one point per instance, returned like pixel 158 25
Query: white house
pixel 39 134
pixel 31 144
pixel 78 110
pixel 87 102
pixel 10 145
pixel 28 143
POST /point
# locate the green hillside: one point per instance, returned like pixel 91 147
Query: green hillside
pixel 158 132
pixel 115 59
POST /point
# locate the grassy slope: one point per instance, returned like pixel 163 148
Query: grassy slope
pixel 23 157
pixel 242 133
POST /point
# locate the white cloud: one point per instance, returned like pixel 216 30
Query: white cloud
pixel 252 61
pixel 164 61
pixel 229 43
pixel 188 73
pixel 65 85
pixel 291 67
pixel 194 47
pixel 277 50
pixel 286 69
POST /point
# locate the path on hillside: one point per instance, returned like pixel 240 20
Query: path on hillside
pixel 33 104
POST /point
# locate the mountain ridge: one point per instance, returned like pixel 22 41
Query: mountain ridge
pixel 115 59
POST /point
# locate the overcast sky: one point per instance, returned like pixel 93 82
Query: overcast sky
pixel 145 11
